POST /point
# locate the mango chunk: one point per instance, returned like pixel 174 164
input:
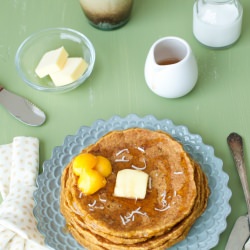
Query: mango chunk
pixel 83 161
pixel 91 181
pixel 92 172
pixel 103 166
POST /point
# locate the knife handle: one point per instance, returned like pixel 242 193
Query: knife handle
pixel 235 143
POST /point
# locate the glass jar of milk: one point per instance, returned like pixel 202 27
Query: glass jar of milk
pixel 217 23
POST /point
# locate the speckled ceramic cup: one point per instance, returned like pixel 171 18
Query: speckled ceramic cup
pixel 107 14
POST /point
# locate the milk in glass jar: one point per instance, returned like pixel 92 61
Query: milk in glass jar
pixel 217 23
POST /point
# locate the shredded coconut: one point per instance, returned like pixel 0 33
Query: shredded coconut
pixel 131 216
pixel 122 151
pixel 180 172
pixel 101 199
pixel 99 207
pixel 140 168
pixel 164 203
pixel 92 204
pixel 123 159
pixel 141 149
pixel 150 182
pixel 162 209
pixel 163 199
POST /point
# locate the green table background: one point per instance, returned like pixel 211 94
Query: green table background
pixel 218 105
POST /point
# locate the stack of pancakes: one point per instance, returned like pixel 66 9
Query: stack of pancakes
pixel 177 194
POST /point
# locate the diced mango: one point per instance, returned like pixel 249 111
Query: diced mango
pixel 91 181
pixel 92 171
pixel 83 161
pixel 103 166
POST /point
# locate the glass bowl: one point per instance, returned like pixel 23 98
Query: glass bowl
pixel 33 48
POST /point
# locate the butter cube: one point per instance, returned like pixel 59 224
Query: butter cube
pixel 52 61
pixel 73 69
pixel 131 184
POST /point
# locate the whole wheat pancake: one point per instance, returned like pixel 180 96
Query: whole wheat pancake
pixel 171 237
pixel 177 194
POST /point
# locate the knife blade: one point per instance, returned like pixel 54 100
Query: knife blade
pixel 21 108
pixel 239 234
pixel 247 244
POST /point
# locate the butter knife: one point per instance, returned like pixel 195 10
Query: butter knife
pixel 21 108
pixel 240 232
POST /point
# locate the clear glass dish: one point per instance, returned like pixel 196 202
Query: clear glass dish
pixel 33 48
pixel 205 232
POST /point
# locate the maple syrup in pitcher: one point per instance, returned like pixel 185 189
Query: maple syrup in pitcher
pixel 168 61
pixel 168 53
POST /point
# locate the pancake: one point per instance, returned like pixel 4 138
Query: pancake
pixel 177 194
pixel 175 235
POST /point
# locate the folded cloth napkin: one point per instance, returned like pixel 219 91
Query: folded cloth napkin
pixel 19 163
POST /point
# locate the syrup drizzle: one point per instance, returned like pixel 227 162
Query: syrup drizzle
pixel 140 168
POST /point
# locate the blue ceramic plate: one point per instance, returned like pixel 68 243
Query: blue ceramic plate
pixel 206 230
